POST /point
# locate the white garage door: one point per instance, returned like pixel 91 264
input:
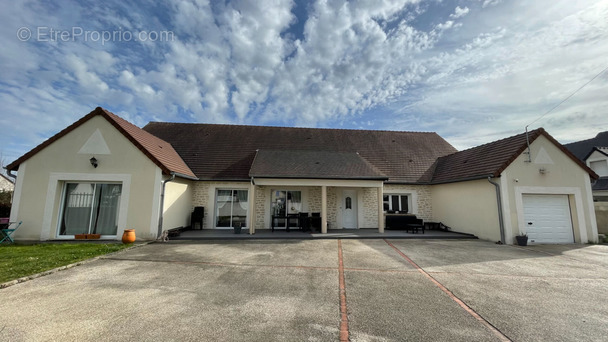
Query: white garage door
pixel 547 219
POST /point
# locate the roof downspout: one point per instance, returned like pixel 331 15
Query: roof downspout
pixel 10 174
pixel 162 204
pixel 500 218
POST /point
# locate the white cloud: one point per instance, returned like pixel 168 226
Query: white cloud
pixel 459 12
pixel 473 75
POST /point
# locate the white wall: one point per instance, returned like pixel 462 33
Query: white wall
pixel 41 178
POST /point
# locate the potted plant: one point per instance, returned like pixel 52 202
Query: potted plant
pixel 522 239
pixel 237 228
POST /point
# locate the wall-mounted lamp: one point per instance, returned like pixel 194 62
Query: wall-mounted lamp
pixel 93 161
pixel 542 170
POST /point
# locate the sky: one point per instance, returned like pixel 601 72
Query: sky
pixel 473 71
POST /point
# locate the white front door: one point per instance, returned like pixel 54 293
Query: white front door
pixel 349 209
pixel 547 219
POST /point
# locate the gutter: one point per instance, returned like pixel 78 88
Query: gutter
pixel 500 218
pixel 162 204
pixel 10 174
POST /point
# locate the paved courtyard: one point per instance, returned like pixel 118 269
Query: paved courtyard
pixel 319 290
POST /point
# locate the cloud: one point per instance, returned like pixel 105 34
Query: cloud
pixel 472 73
pixel 459 12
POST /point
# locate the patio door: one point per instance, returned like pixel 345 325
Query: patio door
pixel 90 208
pixel 231 207
pixel 349 209
pixel 283 203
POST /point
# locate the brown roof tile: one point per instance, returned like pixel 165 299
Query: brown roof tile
pixel 490 159
pixel 227 151
pixel 312 164
pixel 159 151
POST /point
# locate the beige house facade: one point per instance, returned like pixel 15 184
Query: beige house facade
pixel 103 175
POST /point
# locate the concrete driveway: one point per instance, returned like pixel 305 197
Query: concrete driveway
pixel 324 290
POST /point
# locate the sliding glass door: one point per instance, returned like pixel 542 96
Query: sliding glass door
pixel 90 208
pixel 231 207
pixel 285 202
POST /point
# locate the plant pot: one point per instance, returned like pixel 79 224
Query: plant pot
pixel 80 236
pixel 93 236
pixel 237 228
pixel 128 236
pixel 522 240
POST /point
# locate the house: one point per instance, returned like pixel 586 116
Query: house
pixel 6 184
pixel 103 175
pixel 594 153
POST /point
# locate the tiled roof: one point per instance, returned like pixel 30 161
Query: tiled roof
pixel 600 185
pixel 490 159
pixel 159 151
pixel 582 148
pixel 227 151
pixel 312 164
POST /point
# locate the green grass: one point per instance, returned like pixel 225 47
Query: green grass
pixel 18 261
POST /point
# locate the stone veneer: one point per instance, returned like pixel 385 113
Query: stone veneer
pixel 423 192
pixel 368 200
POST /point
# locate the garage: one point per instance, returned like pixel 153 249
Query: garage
pixel 547 219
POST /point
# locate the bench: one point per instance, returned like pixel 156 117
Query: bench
pixel 404 222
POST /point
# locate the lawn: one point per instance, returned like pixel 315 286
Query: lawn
pixel 18 261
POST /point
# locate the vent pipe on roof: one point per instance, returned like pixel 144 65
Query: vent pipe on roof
pixel 528 142
pixel 162 204
pixel 500 218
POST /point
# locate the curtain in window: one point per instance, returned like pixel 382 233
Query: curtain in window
pixel 77 209
pixel 296 201
pixel 106 217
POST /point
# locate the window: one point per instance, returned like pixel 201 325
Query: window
pixel 90 208
pixel 231 207
pixel 396 203
pixel 600 167
pixel 286 202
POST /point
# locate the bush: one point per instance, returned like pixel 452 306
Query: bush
pixel 5 203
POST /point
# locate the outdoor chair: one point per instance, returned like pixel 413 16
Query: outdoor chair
pixel 7 232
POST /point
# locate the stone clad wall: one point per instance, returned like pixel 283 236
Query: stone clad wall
pixel 369 207
pixel 422 194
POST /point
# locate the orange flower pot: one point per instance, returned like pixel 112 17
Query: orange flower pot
pixel 128 236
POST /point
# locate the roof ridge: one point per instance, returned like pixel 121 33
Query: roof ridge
pixel 288 127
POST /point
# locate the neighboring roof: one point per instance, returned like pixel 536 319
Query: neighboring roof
pixel 312 164
pixel 226 152
pixel 159 151
pixel 581 148
pixel 8 179
pixel 491 159
pixel 602 150
pixel 600 185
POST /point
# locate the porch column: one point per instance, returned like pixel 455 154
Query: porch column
pixel 251 223
pixel 380 210
pixel 324 209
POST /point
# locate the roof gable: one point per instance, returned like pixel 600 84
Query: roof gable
pixel 581 148
pixel 491 159
pixel 160 152
pixel 227 152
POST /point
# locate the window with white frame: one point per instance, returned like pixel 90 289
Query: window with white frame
pixel 90 208
pixel 396 203
pixel 231 207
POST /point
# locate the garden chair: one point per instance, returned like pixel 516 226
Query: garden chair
pixel 7 232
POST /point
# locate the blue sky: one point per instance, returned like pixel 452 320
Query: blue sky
pixel 473 71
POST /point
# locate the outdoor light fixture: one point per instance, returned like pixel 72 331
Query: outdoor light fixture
pixel 94 162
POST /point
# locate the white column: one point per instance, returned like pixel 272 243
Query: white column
pixel 380 211
pixel 251 222
pixel 324 209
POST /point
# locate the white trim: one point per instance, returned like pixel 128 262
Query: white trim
pixel 17 193
pixel 591 209
pixel 506 207
pixel 51 194
pixel 412 197
pixel 228 187
pixel 158 183
pixel 319 182
pixel 539 190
